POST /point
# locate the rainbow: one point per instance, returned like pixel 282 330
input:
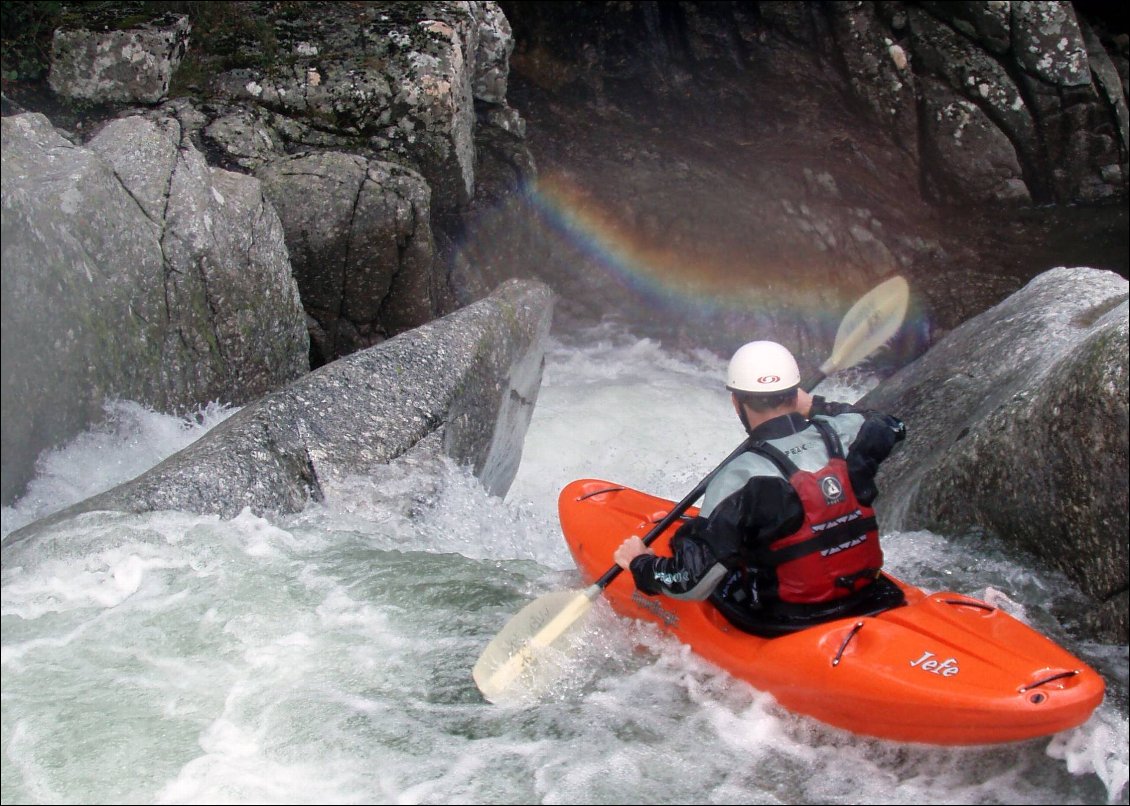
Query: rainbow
pixel 579 233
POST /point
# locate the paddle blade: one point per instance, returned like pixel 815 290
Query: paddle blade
pixel 524 659
pixel 870 323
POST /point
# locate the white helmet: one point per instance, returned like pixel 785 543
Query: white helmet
pixel 762 367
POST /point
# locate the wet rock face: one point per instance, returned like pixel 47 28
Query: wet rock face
pixel 361 247
pixel 725 151
pixel 361 118
pixel 463 386
pixel 134 65
pixel 395 79
pixel 1043 79
pixel 133 270
pixel 399 80
pixel 1017 423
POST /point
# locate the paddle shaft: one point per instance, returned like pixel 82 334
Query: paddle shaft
pixel 811 382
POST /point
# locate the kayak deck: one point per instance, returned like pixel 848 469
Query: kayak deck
pixel 943 669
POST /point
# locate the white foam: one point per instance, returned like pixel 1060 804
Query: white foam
pixel 132 439
pixel 325 657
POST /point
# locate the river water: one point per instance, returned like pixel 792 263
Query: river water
pixel 325 657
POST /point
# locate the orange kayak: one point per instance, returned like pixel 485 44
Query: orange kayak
pixel 944 668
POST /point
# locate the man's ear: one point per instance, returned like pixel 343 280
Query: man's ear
pixel 737 404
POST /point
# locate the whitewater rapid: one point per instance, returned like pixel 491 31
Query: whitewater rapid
pixel 325 657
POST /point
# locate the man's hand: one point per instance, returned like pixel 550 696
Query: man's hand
pixel 629 550
pixel 803 402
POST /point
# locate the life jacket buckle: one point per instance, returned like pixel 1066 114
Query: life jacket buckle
pixel 849 581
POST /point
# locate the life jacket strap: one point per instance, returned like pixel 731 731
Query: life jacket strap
pixel 775 455
pixel 832 444
pixel 831 439
pixel 826 539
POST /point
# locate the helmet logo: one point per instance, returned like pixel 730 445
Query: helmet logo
pixel 832 489
pixel 769 379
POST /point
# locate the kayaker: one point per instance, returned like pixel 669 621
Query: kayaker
pixel 786 535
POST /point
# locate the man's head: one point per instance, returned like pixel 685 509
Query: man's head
pixel 764 377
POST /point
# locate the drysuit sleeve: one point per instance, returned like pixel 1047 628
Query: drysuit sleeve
pixel 876 438
pixel 830 408
pixel 691 572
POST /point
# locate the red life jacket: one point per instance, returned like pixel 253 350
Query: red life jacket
pixel 836 551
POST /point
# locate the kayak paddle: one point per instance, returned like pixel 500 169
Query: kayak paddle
pixel 525 649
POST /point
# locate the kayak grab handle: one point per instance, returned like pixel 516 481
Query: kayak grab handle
pixel 601 491
pixel 1048 679
pixel 839 653
pixel 969 603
